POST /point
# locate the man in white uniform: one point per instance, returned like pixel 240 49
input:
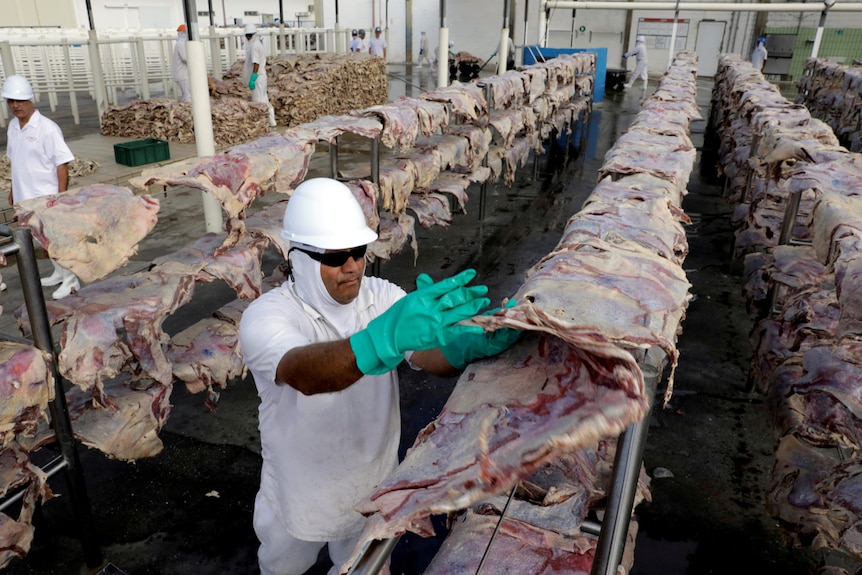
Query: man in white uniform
pixel 423 49
pixel 640 55
pixel 759 54
pixel 40 162
pixel 363 46
pixel 181 67
pixel 355 42
pixel 323 349
pixel 378 44
pixel 254 69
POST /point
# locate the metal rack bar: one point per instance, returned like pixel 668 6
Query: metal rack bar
pixel 374 557
pixel 483 189
pixel 624 481
pixel 40 326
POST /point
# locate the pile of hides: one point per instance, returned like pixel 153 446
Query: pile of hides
pixel 305 87
pixel 234 120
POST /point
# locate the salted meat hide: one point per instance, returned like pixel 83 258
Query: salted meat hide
pixel 91 231
pixel 115 324
pixel 291 155
pixel 518 548
pixel 552 392
pixel 235 180
pixel 433 116
pixel 835 218
pixel 267 223
pixel 849 292
pixel 466 99
pixel 667 157
pixel 366 193
pixel 791 494
pixel 328 128
pixel 395 232
pixel 640 187
pixel 400 124
pixel 127 427
pixel 650 223
pixel 817 417
pixel 206 356
pixel 17 470
pixel 431 209
pixel 453 150
pixel 836 370
pixel 239 265
pixel 627 293
pixel 454 185
pixel 26 387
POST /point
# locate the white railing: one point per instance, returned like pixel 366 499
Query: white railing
pixel 58 61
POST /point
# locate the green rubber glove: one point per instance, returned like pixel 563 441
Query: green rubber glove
pixel 423 319
pixel 252 82
pixel 468 347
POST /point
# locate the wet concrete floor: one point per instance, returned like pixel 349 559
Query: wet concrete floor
pixel 188 510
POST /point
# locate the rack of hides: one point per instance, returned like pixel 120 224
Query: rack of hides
pixel 33 397
pixel 524 457
pixel 119 361
pixel 798 214
pixel 832 92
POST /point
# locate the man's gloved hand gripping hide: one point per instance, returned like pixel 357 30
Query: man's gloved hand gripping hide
pixel 424 319
pixel 470 346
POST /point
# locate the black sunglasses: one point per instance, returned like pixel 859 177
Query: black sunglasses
pixel 336 259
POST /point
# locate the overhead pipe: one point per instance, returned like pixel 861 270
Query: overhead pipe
pixel 443 50
pixel 201 111
pixel 699 6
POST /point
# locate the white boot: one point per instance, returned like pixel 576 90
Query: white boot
pixel 55 278
pixel 70 283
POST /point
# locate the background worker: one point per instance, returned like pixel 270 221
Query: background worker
pixel 377 44
pixel 423 49
pixel 40 162
pixel 181 67
pixel 323 349
pixel 355 42
pixel 254 69
pixel 759 54
pixel 363 46
pixel 640 54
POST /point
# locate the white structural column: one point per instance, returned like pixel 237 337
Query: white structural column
pixel 818 37
pixel 203 122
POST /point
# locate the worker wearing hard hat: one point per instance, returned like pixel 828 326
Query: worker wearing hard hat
pixel 254 69
pixel 181 66
pixel 40 162
pixel 640 55
pixel 323 349
pixel 355 42
pixel 363 46
pixel 377 45
pixel 759 54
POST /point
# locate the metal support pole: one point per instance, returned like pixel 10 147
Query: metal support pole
pixel 819 35
pixel 443 50
pixel 790 213
pixel 40 326
pixel 333 158
pixel 375 161
pixel 374 557
pixel 624 482
pixel 672 47
pixel 98 76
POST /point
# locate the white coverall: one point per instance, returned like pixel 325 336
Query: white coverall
pixel 181 67
pixel 256 54
pixel 355 44
pixel 758 56
pixel 640 71
pixel 321 453
pixel 377 46
pixel 423 50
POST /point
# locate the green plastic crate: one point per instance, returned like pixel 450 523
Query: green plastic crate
pixel 140 152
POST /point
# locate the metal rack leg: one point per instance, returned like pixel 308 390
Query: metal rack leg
pixel 35 301
pixel 624 481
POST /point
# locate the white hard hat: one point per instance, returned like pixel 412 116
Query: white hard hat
pixel 640 39
pixel 17 88
pixel 250 29
pixel 451 43
pixel 325 214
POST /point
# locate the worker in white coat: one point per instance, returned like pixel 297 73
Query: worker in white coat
pixel 423 49
pixel 640 54
pixel 759 54
pixel 323 349
pixel 40 162
pixel 254 69
pixel 377 45
pixel 363 45
pixel 181 66
pixel 355 42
